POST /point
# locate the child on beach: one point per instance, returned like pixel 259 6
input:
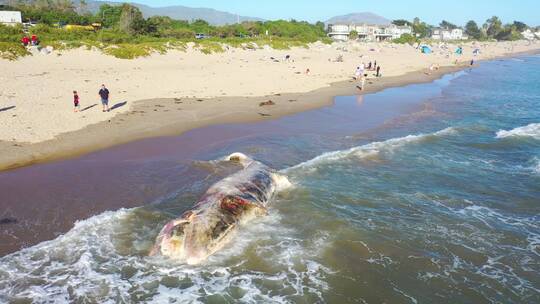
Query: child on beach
pixel 76 107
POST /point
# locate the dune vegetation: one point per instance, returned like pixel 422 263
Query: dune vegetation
pixel 123 32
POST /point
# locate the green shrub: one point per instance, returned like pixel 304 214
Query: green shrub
pixel 406 38
pixel 131 51
pixel 12 50
pixel 11 33
pixel 209 47
pixel 179 33
pixel 127 51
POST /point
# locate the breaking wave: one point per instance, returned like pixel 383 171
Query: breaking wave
pixel 104 259
pixel 531 130
pixel 373 149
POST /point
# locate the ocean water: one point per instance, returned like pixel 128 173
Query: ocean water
pixel 438 205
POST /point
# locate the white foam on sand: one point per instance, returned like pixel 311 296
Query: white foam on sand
pixel 372 149
pixel 530 130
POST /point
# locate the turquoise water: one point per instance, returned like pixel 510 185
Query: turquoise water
pixel 438 205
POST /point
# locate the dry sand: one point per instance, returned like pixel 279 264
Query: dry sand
pixel 172 93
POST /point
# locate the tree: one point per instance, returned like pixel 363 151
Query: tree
pixel 320 25
pixel 493 26
pixel 131 20
pixel 110 15
pixel 405 38
pixel 472 29
pixel 83 6
pixel 447 25
pixel 520 26
pixel 401 22
pixel 421 29
pixel 63 5
pixel 353 35
pixel 509 33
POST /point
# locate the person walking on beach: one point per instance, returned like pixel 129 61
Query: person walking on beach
pixel 359 73
pixel 362 83
pixel 378 71
pixel 76 106
pixel 104 94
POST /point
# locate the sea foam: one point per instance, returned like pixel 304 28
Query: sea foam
pixel 531 130
pixel 94 262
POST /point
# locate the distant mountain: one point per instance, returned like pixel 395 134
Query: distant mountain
pixel 178 12
pixel 364 17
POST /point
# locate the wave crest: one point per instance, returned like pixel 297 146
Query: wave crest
pixel 530 130
pixel 372 149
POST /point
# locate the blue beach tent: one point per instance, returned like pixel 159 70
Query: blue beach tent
pixel 425 49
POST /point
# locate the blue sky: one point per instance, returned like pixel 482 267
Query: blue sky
pixel 433 11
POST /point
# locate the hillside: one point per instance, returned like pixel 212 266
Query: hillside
pixel 364 17
pixel 178 12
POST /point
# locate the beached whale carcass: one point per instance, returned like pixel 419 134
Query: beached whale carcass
pixel 234 200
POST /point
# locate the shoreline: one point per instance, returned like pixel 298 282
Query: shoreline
pixel 173 116
pixel 143 172
pixel 140 122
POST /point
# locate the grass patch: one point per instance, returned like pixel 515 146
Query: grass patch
pixel 209 47
pixel 129 51
pixel 12 50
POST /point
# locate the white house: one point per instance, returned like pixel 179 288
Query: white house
pixel 10 17
pixel 367 32
pixel 397 31
pixel 448 34
pixel 339 32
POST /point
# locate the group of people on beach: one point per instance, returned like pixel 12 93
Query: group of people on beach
pixel 103 95
pixel 360 74
pixel 32 40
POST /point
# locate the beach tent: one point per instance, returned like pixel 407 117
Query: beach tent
pixel 459 51
pixel 425 49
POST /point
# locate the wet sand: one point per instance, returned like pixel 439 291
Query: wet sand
pixel 46 199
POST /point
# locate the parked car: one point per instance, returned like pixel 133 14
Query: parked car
pixel 201 36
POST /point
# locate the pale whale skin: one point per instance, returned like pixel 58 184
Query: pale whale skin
pixel 234 200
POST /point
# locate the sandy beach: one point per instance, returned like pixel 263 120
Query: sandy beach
pixel 169 94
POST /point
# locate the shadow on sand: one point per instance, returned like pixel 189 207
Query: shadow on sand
pixel 118 105
pixel 89 107
pixel 6 108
